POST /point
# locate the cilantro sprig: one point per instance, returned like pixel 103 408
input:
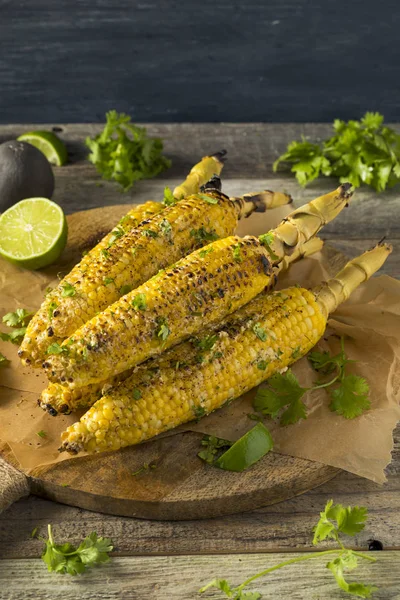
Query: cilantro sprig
pixel 68 559
pixel 284 395
pixel 18 321
pixel 364 151
pixel 124 153
pixel 334 520
pixel 20 317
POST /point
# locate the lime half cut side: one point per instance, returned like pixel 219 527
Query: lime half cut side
pixel 33 233
pixel 49 144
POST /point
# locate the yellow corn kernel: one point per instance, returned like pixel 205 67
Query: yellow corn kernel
pixel 177 395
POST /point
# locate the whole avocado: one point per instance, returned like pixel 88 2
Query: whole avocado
pixel 24 173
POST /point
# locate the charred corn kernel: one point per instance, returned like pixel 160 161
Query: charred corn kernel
pixel 198 291
pixel 229 364
pixel 92 281
pixel 190 391
pixel 158 242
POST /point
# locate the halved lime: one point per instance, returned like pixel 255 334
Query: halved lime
pixel 33 233
pixel 48 143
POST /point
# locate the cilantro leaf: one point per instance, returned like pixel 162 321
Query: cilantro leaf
pixel 124 153
pixel 139 302
pixel 236 254
pixel 350 399
pixel 169 198
pixel 260 332
pixel 165 228
pixel 208 199
pixel 284 391
pixel 266 240
pixel 19 317
pixel 359 152
pixel 56 348
pixel 66 558
pixel 125 289
pixel 202 235
pixel 212 446
pixel 162 330
pixel 335 519
pixel 348 560
pixel 14 336
pixel 68 290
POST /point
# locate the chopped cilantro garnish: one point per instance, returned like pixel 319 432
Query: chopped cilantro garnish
pixel 149 233
pixel 203 253
pixel 202 235
pixel 136 394
pixel 139 302
pixel 236 253
pixel 266 240
pixel 262 365
pixel 169 198
pixel 51 309
pixel 56 348
pixel 67 290
pixel 115 235
pixel 208 199
pixel 108 280
pixel 165 228
pixel 162 330
pixel 260 332
pixel 199 411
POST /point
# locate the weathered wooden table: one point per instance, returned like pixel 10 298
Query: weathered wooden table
pixel 171 560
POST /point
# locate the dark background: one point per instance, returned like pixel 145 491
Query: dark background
pixel 214 60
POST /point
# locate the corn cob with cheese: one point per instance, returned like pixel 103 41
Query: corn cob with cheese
pixel 197 292
pixel 41 327
pixel 198 377
pixel 57 398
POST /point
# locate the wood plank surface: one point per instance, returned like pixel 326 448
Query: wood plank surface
pixel 200 60
pixel 280 528
pixel 180 577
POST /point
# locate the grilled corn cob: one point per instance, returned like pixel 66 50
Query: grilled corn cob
pixel 197 377
pixel 154 244
pixel 42 327
pixel 57 398
pixel 197 292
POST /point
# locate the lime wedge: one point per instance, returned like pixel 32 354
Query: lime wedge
pixel 33 233
pixel 48 143
pixel 248 449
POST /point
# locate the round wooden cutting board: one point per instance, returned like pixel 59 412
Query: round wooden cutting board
pixel 180 486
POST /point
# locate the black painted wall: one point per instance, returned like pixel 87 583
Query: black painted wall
pixel 214 60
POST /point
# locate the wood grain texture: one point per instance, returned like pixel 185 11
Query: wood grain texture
pixel 281 527
pixel 180 577
pixel 198 61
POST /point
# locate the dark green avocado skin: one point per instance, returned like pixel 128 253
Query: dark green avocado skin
pixel 24 173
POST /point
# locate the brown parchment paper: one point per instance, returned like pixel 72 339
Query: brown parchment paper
pixel 370 320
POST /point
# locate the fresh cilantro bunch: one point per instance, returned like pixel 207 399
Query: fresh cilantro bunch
pixel 334 520
pixel 123 152
pixel 65 558
pixel 284 395
pixel 359 152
